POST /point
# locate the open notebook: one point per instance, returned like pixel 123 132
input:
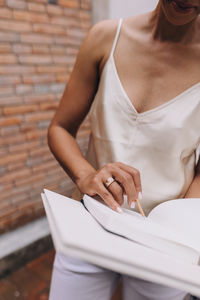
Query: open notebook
pixel 162 248
pixel 172 227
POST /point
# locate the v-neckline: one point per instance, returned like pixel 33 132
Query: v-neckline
pixel 161 106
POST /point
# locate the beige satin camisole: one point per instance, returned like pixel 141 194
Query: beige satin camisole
pixel 161 143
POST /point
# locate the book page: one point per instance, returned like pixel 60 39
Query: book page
pixel 182 217
pixel 80 235
pixel 140 229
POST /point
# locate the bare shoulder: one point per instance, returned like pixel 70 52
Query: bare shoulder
pixel 100 38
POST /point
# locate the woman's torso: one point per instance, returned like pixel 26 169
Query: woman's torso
pixel 145 114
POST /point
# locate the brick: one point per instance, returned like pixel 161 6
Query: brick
pixel 30 16
pixel 59 21
pixel 8 36
pixel 26 127
pixel 3 151
pixel 15 26
pixel 16 166
pixel 73 23
pixel 15 191
pixel 36 38
pixel 31 162
pixel 72 51
pixel 63 59
pixel 20 109
pixel 40 152
pixel 45 166
pixel 58 96
pixel 58 49
pixel 59 40
pixel 31 87
pixel 29 180
pixel 42 88
pixel 86 4
pixel 64 77
pixel 12 158
pixel 76 33
pixel 8 59
pixel 21 48
pixel 71 12
pixel 35 59
pixel 16 69
pixel 5 48
pixel 36 134
pixel 12 139
pixel 9 121
pixel 10 176
pixel 58 87
pixel 49 29
pixel 48 106
pixel 38 98
pixel 19 4
pixel 54 10
pixel 39 116
pixel 36 7
pixel 51 69
pixel 5 13
pixel 9 79
pixel 22 89
pixel 40 49
pixel 10 100
pixel 2 170
pixel 38 78
pixel 73 41
pixel 69 3
pixel 24 147
pixel 85 15
pixel 6 90
pixel 46 88
pixel 9 130
pixel 44 124
pixel 38 1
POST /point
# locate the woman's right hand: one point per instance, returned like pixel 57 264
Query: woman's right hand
pixel 126 181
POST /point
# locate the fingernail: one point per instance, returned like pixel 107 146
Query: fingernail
pixel 119 210
pixel 125 197
pixel 139 196
pixel 133 204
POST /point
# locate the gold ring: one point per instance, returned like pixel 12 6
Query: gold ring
pixel 109 181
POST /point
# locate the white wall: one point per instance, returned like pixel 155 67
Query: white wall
pixel 127 8
pixel 104 9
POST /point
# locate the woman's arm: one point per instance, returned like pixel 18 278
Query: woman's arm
pixel 194 189
pixel 73 108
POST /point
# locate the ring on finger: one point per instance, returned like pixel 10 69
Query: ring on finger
pixel 109 181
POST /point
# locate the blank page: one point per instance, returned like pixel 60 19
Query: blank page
pixel 140 229
pixel 182 217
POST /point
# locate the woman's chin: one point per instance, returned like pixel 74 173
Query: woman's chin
pixel 178 16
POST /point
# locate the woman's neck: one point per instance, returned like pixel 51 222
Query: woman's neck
pixel 162 30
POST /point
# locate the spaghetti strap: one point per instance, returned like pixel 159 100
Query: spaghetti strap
pixel 116 37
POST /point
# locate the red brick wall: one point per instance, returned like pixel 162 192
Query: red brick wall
pixel 38 46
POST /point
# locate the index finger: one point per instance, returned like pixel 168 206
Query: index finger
pixel 108 198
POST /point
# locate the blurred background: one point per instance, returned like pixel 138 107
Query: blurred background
pixel 39 41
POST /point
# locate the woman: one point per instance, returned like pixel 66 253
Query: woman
pixel 140 80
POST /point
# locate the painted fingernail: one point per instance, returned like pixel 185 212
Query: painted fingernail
pixel 139 196
pixel 119 210
pixel 125 197
pixel 133 204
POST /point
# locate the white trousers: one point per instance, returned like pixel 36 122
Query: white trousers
pixel 74 279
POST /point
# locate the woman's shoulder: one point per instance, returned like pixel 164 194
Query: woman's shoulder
pixel 104 29
pixel 103 32
pixel 100 38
